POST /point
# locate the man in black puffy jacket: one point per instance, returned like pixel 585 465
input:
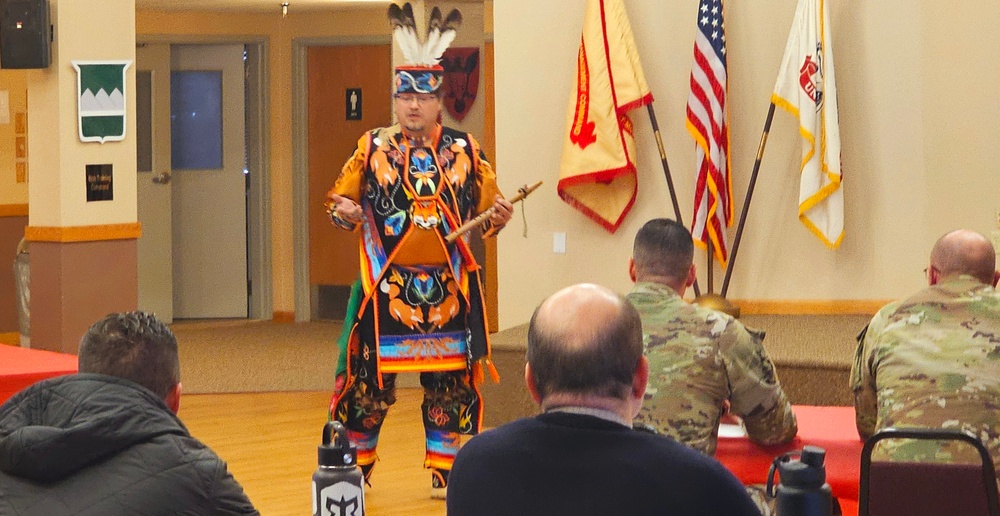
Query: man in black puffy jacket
pixel 107 441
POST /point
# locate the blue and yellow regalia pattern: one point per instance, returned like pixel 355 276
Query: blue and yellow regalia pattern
pixel 422 309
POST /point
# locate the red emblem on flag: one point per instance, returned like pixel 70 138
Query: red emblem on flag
pixel 461 72
pixel 582 133
pixel 810 76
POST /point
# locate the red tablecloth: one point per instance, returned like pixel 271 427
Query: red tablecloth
pixel 21 367
pixel 830 428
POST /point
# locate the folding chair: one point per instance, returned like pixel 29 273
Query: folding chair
pixel 891 488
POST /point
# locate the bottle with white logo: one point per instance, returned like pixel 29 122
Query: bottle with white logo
pixel 338 485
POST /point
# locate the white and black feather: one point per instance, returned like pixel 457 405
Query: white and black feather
pixel 404 30
pixel 448 31
pixel 440 33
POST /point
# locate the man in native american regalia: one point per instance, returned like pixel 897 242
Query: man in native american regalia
pixel 420 308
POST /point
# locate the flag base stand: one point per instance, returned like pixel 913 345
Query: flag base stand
pixel 718 303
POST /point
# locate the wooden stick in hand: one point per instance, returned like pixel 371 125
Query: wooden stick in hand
pixel 522 192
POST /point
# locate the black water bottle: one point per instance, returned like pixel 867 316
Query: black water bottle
pixel 802 490
pixel 338 485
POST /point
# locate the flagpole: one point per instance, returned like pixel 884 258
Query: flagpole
pixel 666 173
pixel 746 202
pixel 708 273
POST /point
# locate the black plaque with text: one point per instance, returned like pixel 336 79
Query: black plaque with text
pixel 99 184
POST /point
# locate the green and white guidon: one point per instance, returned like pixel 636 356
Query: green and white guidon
pixel 101 99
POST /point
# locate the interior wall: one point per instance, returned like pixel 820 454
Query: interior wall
pixel 57 157
pixel 279 33
pixel 916 121
pixel 11 231
pixel 13 187
pixel 13 137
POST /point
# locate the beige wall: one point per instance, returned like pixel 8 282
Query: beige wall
pixel 12 82
pixel 915 123
pixel 471 35
pixel 57 157
pixel 918 117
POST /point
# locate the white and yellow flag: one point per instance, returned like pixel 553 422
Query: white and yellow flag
pixel 597 171
pixel 806 88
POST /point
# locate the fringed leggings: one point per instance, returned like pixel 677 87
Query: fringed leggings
pixel 450 408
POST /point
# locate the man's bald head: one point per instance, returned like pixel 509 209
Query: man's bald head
pixel 964 252
pixel 585 340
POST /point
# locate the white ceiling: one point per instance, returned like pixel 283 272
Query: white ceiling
pixel 260 6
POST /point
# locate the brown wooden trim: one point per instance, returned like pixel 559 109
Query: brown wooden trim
pixel 284 317
pixel 809 306
pixel 13 210
pixel 488 143
pixel 12 338
pixel 129 231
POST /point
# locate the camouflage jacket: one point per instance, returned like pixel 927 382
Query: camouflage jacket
pixel 698 359
pixel 933 361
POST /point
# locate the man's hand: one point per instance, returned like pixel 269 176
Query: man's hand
pixel 345 208
pixel 503 210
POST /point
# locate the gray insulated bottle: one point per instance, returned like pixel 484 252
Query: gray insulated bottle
pixel 338 485
pixel 802 490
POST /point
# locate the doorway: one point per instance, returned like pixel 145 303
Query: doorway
pixel 348 93
pixel 201 180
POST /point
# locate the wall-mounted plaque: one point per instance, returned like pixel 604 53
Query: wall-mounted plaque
pixel 100 186
pixel 101 99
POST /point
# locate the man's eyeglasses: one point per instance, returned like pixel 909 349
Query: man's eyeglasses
pixel 407 98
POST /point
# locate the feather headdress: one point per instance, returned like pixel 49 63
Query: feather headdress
pixel 440 33
pixel 421 73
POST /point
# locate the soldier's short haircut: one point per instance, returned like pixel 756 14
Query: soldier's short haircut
pixel 663 247
pixel 603 366
pixel 135 346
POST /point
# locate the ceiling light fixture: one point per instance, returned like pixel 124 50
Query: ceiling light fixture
pixel 284 9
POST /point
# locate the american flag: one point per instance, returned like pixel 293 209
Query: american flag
pixel 708 123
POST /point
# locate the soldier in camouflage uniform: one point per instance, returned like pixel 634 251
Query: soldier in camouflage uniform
pixel 933 360
pixel 700 360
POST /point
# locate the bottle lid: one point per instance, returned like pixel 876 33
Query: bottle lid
pixel 807 472
pixel 337 451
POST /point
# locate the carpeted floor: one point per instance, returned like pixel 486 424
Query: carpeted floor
pixel 256 356
pixel 813 355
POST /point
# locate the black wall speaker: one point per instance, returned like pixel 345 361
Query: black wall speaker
pixel 25 29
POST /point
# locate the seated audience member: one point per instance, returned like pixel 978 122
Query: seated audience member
pixel 581 456
pixel 700 360
pixel 107 440
pixel 933 359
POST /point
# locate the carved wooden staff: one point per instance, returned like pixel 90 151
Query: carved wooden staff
pixel 522 192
